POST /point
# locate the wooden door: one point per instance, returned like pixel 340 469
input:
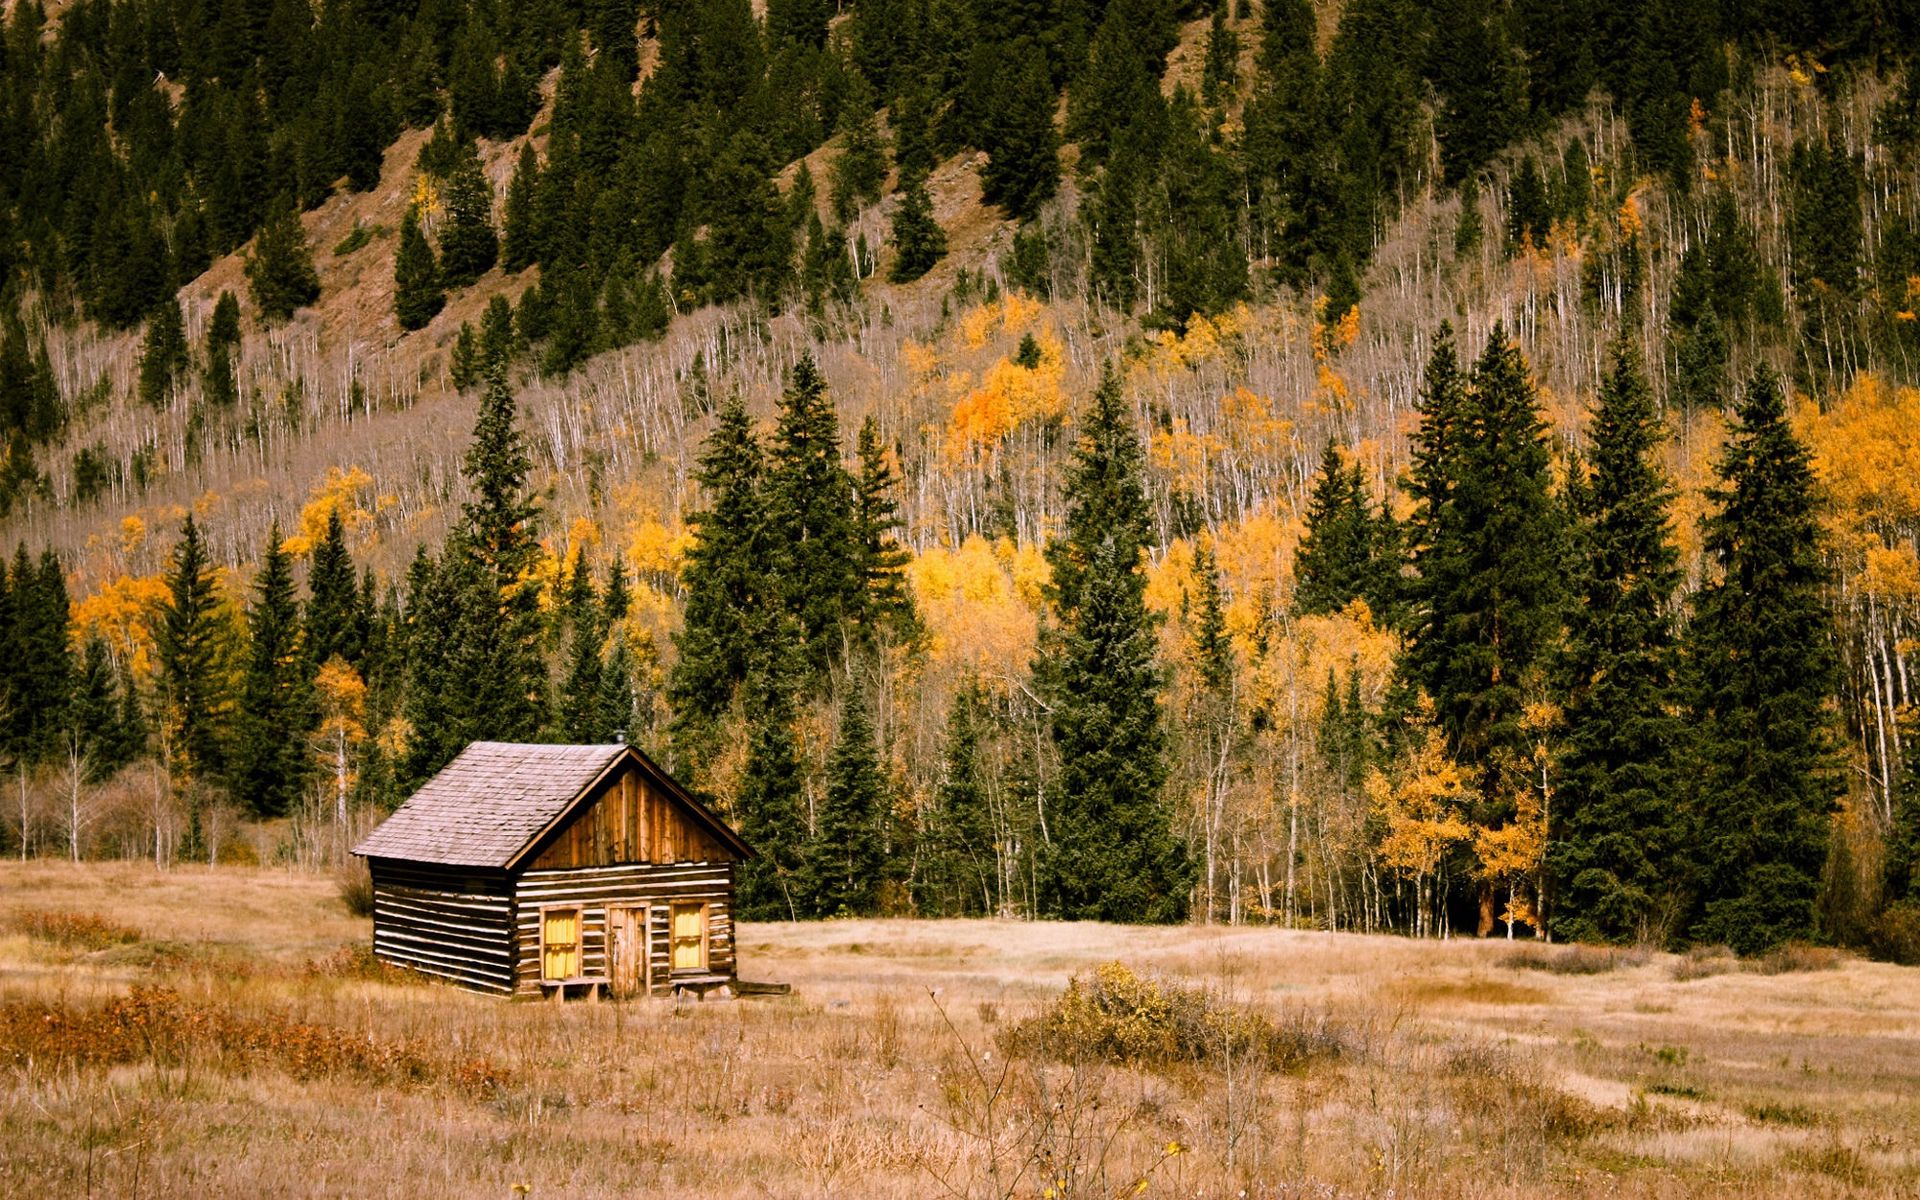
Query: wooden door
pixel 689 937
pixel 630 967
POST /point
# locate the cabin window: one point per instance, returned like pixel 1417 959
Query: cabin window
pixel 559 943
pixel 689 937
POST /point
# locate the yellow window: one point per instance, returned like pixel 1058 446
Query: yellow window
pixel 560 943
pixel 689 937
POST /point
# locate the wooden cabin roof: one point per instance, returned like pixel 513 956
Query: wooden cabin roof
pixel 496 798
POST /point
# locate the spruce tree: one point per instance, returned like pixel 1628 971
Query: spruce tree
pixel 1335 562
pixel 98 715
pixel 520 240
pixel 468 245
pixel 1617 835
pixel 888 604
pixel 918 240
pixel 578 719
pixel 500 633
pixel 961 873
pixel 767 809
pixel 38 650
pixel 163 354
pixel 190 648
pixel 1489 551
pixel 845 857
pixel 418 295
pixel 218 384
pixel 1761 673
pixel 280 270
pixel 336 621
pixel 861 166
pixel 1023 165
pixel 1113 854
pixel 727 588
pixel 276 713
pixel 813 540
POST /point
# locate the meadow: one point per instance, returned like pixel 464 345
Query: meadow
pixel 221 1032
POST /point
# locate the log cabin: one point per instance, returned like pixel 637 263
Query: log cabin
pixel 536 870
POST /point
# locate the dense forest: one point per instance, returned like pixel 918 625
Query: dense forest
pixel 1362 465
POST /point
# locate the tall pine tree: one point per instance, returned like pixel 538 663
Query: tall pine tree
pixel 1761 673
pixel 1113 853
pixel 276 714
pixel 1617 835
pixel 190 650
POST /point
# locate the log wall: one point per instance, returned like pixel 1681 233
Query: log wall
pixel 452 922
pixel 593 889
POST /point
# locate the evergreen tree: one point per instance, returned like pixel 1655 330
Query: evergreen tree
pixel 1023 166
pixel 1761 672
pixel 888 604
pixel 336 621
pixel 861 166
pixel 845 858
pixel 163 355
pixel 276 714
pixel 505 672
pixel 961 872
pixel 1617 836
pixel 223 341
pixel 37 641
pixel 1335 562
pixel 1488 555
pixel 190 646
pixel 98 715
pixel 918 240
pixel 520 243
pixel 728 592
pixel 468 245
pixel 280 270
pixel 1900 871
pixel 767 811
pixel 813 542
pixel 1113 853
pixel 418 295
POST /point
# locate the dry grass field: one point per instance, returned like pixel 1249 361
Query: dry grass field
pixel 217 1033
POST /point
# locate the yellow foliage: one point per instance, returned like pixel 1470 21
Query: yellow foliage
pixel 1009 396
pixel 1423 810
pixel 1013 313
pixel 653 547
pixel 340 491
pixel 980 602
pixel 1206 339
pixel 425 200
pixel 119 614
pixel 1185 455
pixel 133 534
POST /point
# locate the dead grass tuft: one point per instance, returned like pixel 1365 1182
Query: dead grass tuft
pixel 1795 957
pixel 154 1024
pixel 1474 989
pixel 355 883
pixel 1701 962
pixel 75 931
pixel 1117 1016
pixel 1575 959
pixel 356 961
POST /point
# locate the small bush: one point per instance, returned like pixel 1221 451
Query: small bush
pixel 359 236
pixel 1575 959
pixel 1771 1112
pixel 357 961
pixel 1896 935
pixel 356 888
pixel 1699 962
pixel 1796 956
pixel 1118 1016
pixel 76 931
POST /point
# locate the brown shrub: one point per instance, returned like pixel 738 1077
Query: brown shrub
pixel 356 888
pixel 1796 956
pixel 76 931
pixel 1118 1016
pixel 1699 962
pixel 1896 934
pixel 356 960
pixel 1575 959
pixel 155 1024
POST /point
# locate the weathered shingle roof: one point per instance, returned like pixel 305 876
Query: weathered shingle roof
pixel 486 805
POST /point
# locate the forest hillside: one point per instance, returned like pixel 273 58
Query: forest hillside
pixel 1363 465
